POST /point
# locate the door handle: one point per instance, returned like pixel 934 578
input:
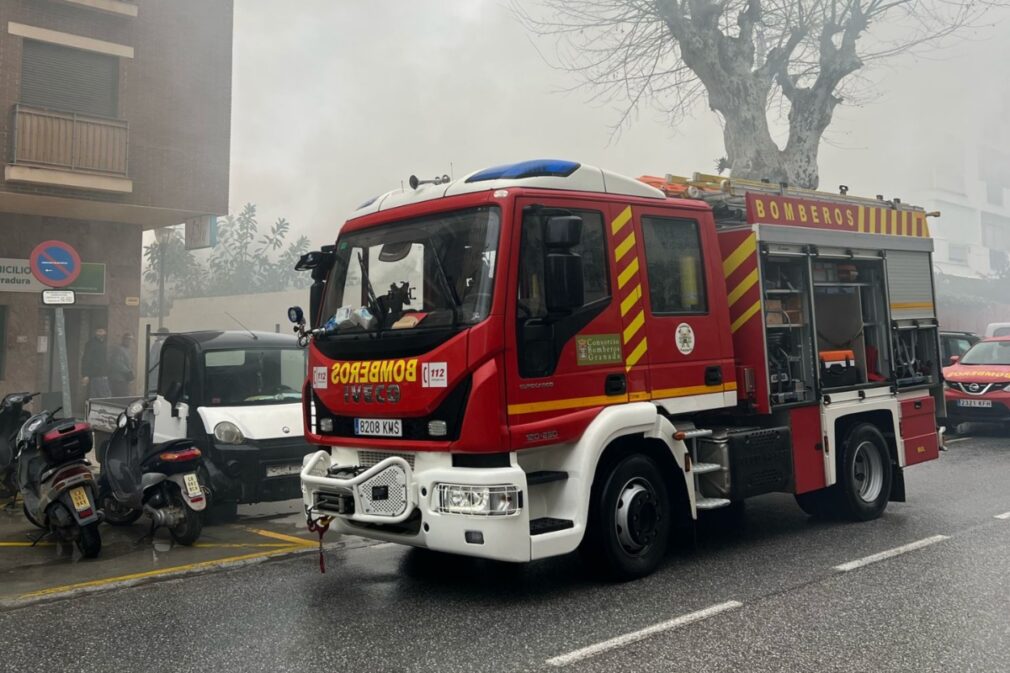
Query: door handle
pixel 713 375
pixel 616 384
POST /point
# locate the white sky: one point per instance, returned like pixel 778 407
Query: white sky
pixel 335 101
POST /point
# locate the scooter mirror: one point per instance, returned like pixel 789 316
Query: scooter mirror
pixel 121 421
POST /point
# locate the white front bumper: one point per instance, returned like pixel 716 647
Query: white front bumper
pixel 505 538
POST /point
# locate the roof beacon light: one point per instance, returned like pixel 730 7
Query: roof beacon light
pixel 537 168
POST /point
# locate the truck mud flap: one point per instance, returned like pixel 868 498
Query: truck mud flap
pixel 897 484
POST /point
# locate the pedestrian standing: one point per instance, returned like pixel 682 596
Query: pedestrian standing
pixel 121 366
pixel 95 366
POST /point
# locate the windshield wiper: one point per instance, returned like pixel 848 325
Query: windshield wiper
pixel 447 287
pixel 373 301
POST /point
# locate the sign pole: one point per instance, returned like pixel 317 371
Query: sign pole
pixel 61 353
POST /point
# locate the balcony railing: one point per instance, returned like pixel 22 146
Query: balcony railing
pixel 70 141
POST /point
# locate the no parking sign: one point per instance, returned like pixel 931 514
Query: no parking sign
pixel 55 263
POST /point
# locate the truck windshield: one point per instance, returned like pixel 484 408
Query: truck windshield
pixel 247 376
pixel 988 353
pixel 430 272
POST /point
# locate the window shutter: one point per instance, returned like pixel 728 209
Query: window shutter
pixel 70 80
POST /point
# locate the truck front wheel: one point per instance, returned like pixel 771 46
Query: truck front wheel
pixel 864 477
pixel 628 530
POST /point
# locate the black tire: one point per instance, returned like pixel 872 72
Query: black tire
pixel 818 504
pixel 31 519
pixel 89 540
pixel 187 531
pixel 113 512
pixel 630 517
pixel 864 474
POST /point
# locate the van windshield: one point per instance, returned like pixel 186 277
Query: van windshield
pixel 988 353
pixel 245 376
pixel 435 271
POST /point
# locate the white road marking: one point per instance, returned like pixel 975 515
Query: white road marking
pixel 1004 515
pixel 959 439
pixel 912 546
pixel 635 636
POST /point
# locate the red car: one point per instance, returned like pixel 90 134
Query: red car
pixel 977 386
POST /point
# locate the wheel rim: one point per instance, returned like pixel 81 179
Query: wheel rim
pixel 868 471
pixel 636 516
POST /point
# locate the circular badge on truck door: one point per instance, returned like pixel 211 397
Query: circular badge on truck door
pixel 685 338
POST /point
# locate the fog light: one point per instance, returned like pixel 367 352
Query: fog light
pixel 476 500
pixel 438 428
pixel 474 537
pixel 326 425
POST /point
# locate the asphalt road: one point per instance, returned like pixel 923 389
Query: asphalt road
pixel 765 597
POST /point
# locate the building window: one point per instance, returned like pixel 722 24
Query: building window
pixel 674 264
pixel 957 253
pixel 995 231
pixel 71 80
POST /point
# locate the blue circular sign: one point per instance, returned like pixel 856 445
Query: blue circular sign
pixel 55 263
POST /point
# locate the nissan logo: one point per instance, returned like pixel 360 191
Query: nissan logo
pixel 974 387
pixel 382 393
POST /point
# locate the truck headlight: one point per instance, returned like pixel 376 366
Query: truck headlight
pixel 227 432
pixel 476 500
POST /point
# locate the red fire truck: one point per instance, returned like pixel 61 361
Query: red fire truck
pixel 546 356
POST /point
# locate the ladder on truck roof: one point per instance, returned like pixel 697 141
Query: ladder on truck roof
pixel 731 192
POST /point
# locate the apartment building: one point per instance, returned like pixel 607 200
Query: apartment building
pixel 115 120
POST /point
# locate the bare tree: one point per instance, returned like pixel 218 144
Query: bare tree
pixel 753 59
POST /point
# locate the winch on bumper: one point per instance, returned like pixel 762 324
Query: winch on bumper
pixel 473 511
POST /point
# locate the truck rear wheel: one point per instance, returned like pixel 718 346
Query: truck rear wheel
pixel 628 531
pixel 864 474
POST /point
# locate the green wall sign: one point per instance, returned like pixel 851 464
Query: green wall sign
pixel 91 280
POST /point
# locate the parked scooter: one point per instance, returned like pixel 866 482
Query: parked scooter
pixel 55 480
pixel 139 477
pixel 12 417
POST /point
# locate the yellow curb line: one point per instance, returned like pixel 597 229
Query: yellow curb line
pixel 174 570
pixel 239 545
pixel 286 538
pixel 27 544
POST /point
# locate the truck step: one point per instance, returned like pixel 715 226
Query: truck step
pixel 711 503
pixel 705 468
pixel 548 525
pixel 545 477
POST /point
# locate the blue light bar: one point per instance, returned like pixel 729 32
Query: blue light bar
pixel 537 168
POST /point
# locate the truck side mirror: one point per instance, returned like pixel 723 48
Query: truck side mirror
pixel 563 290
pixel 319 262
pixel 563 232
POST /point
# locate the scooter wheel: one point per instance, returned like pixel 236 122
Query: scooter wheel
pixel 115 513
pixel 187 531
pixel 89 541
pixel 31 519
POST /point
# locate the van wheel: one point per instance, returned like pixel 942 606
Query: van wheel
pixel 628 530
pixel 864 474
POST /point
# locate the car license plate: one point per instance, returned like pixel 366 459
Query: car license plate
pixel 281 470
pixel 80 499
pixel 192 485
pixel 984 404
pixel 378 427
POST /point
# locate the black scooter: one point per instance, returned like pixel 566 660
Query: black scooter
pixel 139 477
pixel 12 417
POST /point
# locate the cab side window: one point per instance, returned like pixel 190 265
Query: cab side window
pixel 674 264
pixel 541 335
pixel 173 381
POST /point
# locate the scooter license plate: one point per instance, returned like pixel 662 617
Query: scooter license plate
pixel 192 485
pixel 79 497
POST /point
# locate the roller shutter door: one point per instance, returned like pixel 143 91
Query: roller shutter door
pixel 910 285
pixel 70 80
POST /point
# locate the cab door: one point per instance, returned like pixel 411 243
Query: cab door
pixel 171 406
pixel 562 367
pixel 690 353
